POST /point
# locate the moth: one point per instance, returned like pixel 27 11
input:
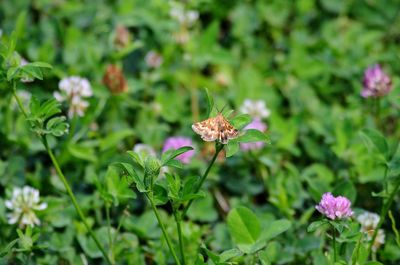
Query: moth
pixel 215 128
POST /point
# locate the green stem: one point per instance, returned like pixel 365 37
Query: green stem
pixel 384 212
pixel 334 243
pixel 21 107
pixel 110 242
pixel 171 249
pixel 63 179
pixel 73 199
pixel 178 220
pixel 218 149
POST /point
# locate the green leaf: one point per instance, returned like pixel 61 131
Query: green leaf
pixel 375 140
pixel 275 228
pixel 253 135
pixel 8 248
pixel 160 195
pixel 229 254
pixel 57 126
pixel 174 163
pixel 136 158
pixel 133 176
pixel 172 153
pixel 174 186
pixel 12 72
pixel 32 72
pixel 210 102
pixel 82 152
pixel 315 225
pixel 232 147
pixel 240 121
pixel 244 228
pixel 20 25
pixel 118 187
pixel 113 139
pixel 40 65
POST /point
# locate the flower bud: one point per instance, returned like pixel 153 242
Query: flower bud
pixel 152 167
pixel 114 79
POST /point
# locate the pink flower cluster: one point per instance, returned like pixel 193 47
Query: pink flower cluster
pixel 375 83
pixel 178 142
pixel 334 207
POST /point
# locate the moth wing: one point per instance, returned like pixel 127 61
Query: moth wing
pixel 208 129
pixel 226 131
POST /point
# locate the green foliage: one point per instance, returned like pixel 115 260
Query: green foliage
pixel 304 59
pixel 43 119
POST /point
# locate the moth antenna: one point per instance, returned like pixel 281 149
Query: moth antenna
pixel 223 108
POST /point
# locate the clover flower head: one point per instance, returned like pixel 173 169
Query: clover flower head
pixel 114 79
pixel 376 83
pixel 334 207
pixel 255 108
pixel 369 221
pixel 122 37
pixel 184 17
pixel 23 204
pixel 258 125
pixel 72 90
pixel 178 142
pixel 144 150
pixel 153 59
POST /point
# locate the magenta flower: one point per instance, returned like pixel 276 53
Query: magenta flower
pixel 376 83
pixel 334 207
pixel 178 142
pixel 258 125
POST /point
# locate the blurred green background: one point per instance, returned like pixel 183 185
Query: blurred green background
pixel 304 58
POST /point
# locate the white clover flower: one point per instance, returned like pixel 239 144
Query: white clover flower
pixel 255 108
pixel 369 221
pixel 23 204
pixel 73 89
pixel 153 59
pixel 184 17
pixel 144 150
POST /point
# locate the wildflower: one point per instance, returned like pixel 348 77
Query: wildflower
pixel 184 17
pixel 369 221
pixel 72 90
pixel 258 125
pixel 178 142
pixel 222 79
pixel 144 150
pixel 114 79
pixel 255 108
pixel 334 207
pixel 122 37
pixel 153 59
pixel 375 83
pixel 23 204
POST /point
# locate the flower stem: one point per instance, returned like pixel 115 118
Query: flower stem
pixel 171 248
pixel 63 179
pixel 218 149
pixel 178 220
pixel 334 243
pixel 73 199
pixel 21 107
pixel 384 212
